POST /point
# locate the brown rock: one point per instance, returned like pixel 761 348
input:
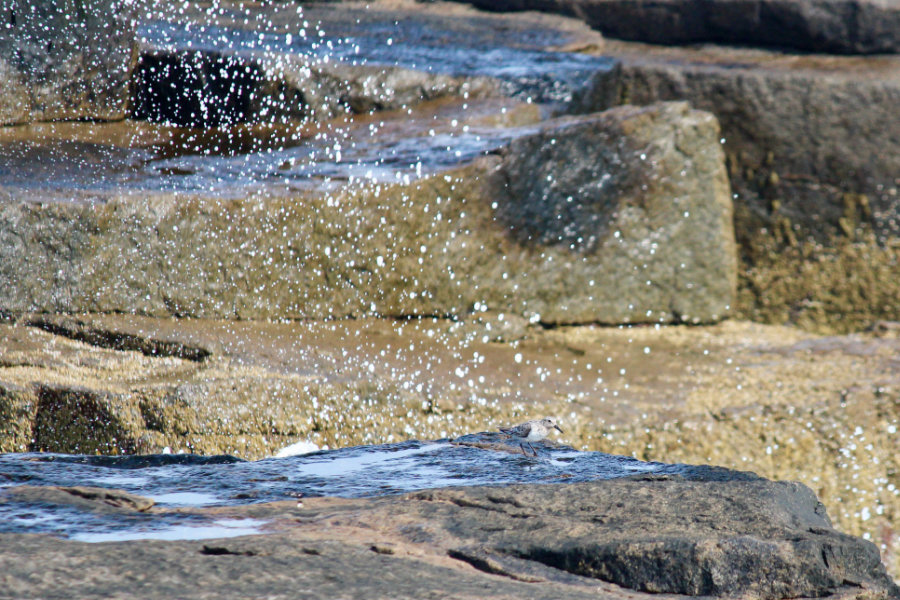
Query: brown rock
pixel 641 197
pixel 811 141
pixel 442 245
pixel 732 536
pixel 83 497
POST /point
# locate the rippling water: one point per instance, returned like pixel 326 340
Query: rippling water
pixel 197 481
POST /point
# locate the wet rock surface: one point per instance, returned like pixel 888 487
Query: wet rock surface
pixel 397 161
pixel 854 27
pixel 62 59
pixel 183 480
pixel 703 532
pixel 794 174
pixel 363 57
pixel 343 253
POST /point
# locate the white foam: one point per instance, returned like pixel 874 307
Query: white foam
pixel 342 466
pixel 119 480
pixel 302 447
pixel 186 499
pixel 224 528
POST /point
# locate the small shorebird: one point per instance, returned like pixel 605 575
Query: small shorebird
pixel 531 431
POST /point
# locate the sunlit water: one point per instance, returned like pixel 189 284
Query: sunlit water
pixel 289 155
pixel 525 71
pixel 364 471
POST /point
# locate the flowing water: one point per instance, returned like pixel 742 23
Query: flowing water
pixel 173 481
pixel 234 148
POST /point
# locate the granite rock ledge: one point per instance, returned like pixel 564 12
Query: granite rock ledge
pixel 711 532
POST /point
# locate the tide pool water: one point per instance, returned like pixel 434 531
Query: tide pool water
pixel 174 481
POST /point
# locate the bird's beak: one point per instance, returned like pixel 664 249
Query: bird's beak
pixel 558 429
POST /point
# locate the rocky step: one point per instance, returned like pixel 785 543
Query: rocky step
pixel 704 532
pixel 807 137
pixel 201 66
pixel 535 229
pixel 206 68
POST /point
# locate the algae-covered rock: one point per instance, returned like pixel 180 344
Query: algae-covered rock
pixel 17 410
pixel 267 386
pixel 840 286
pixel 811 145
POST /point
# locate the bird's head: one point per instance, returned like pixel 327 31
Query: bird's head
pixel 551 422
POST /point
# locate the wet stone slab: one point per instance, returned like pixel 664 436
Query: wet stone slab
pixel 245 99
pixel 781 402
pixel 68 161
pixel 426 243
pixel 525 53
pixel 608 533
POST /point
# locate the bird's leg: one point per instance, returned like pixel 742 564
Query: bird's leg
pixel 532 448
pixel 522 446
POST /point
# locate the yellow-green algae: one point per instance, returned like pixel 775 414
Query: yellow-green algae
pixel 844 285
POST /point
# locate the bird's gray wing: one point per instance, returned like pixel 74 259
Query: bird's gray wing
pixel 519 430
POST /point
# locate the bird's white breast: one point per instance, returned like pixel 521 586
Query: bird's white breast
pixel 536 434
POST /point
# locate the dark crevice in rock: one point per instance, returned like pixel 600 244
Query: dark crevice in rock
pixel 484 561
pixel 223 551
pixel 117 340
pixel 426 316
pixel 464 503
pixel 382 549
pixel 206 89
